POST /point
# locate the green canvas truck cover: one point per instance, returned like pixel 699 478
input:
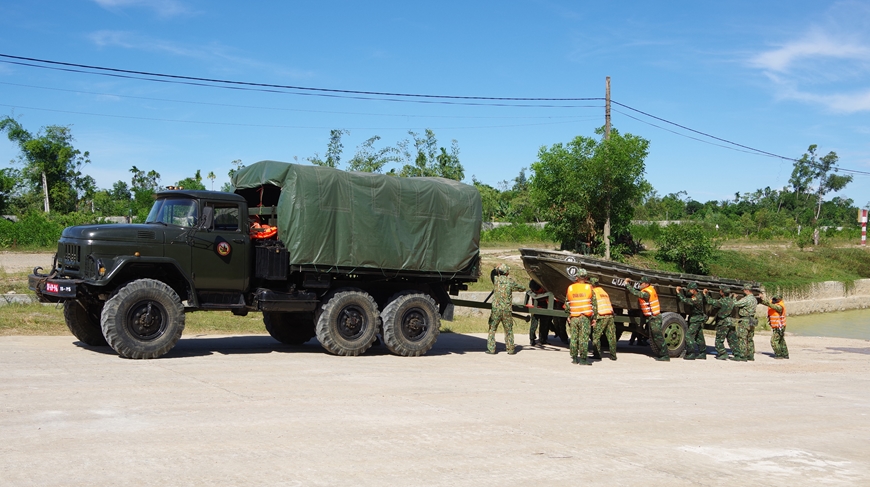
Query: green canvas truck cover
pixel 328 217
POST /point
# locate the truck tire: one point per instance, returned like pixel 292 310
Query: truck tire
pixel 411 324
pixel 675 329
pixel 289 328
pixel 84 323
pixel 144 319
pixel 347 322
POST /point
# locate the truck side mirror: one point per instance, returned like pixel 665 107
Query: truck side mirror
pixel 207 218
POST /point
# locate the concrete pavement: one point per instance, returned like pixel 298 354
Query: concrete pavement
pixel 250 411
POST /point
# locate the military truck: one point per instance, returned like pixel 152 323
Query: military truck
pixel 319 252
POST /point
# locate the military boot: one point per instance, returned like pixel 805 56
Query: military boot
pixel 689 356
pixel 663 359
pixel 575 360
pixel 701 356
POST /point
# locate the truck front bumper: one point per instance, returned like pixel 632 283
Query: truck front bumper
pixel 50 289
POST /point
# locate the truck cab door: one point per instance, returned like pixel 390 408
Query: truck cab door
pixel 220 255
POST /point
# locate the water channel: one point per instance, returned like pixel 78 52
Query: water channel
pixel 843 324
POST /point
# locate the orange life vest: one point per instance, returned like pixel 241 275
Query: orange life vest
pixel 604 307
pixel 651 307
pixel 580 299
pixel 264 231
pixel 776 319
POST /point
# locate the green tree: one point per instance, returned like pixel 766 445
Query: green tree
pixel 369 159
pixel 588 188
pixel 211 176
pixel 827 179
pixel 144 184
pixel 10 180
pixel 427 159
pixel 51 165
pixel 194 182
pixel 237 166
pixel 686 245
pixel 333 150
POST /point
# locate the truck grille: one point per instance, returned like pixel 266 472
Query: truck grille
pixel 72 255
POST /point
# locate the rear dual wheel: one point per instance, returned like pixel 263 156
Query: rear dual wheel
pixel 411 324
pixel 347 322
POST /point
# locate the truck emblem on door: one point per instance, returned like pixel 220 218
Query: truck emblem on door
pixel 224 249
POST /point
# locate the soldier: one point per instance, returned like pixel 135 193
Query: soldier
pixel 649 305
pixel 696 344
pixel 724 325
pixel 582 306
pixel 602 322
pixel 501 309
pixel 545 322
pixel 776 318
pixel 745 329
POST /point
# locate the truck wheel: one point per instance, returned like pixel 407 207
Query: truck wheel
pixel 289 328
pixel 411 324
pixel 347 322
pixel 144 319
pixel 84 323
pixel 675 329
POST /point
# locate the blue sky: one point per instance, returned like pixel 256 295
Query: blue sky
pixel 776 76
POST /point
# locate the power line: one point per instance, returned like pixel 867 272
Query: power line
pixel 234 124
pixel 361 95
pixel 754 150
pixel 228 105
pixel 165 76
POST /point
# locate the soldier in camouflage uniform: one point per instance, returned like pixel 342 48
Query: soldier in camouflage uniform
pixel 724 325
pixel 745 331
pixel 696 344
pixel 602 324
pixel 578 323
pixel 501 309
pixel 776 319
pixel 654 319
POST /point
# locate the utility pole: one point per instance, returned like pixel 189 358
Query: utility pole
pixel 45 191
pixel 607 110
pixel 607 137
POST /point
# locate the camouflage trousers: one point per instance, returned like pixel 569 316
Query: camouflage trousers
pixel 657 335
pixel 579 327
pixel 725 329
pixel 777 343
pixel 696 344
pixel 545 325
pixel 745 340
pixel 604 325
pixel 504 317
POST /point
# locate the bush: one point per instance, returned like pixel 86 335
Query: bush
pixel 688 246
pixel 36 229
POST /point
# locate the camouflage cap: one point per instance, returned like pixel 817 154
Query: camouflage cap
pixel 645 278
pixel 593 280
pixel 692 285
pixel 581 272
pixel 504 269
pixel 723 288
pixel 747 287
pixel 777 297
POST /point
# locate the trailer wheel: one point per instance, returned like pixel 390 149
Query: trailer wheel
pixel 144 319
pixel 674 329
pixel 84 323
pixel 411 324
pixel 289 328
pixel 347 322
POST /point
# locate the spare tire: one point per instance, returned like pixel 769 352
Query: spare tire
pixel 674 329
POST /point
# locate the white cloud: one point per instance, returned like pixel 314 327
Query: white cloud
pixel 163 8
pixel 816 45
pixel 225 59
pixel 828 64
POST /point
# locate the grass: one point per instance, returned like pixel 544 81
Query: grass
pixel 15 282
pixel 47 320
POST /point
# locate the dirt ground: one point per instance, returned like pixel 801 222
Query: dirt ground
pixel 14 262
pixel 245 410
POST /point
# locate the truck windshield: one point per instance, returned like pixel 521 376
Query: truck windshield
pixel 172 211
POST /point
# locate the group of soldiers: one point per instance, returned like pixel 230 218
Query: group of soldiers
pixel 590 315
